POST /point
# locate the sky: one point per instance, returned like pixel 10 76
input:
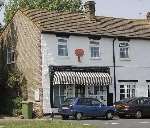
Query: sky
pixel 132 9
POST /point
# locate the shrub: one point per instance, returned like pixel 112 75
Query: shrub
pixel 17 106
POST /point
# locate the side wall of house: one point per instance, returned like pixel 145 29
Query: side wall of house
pixel 24 35
pixel 28 52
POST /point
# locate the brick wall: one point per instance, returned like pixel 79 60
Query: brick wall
pixel 22 33
pixel 29 51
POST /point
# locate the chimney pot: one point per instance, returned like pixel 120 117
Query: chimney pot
pixel 89 7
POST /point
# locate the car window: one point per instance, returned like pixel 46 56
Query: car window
pixel 69 101
pixel 95 102
pixel 141 101
pixel 84 101
pixel 146 101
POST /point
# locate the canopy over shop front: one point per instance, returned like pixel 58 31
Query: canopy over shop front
pixel 82 78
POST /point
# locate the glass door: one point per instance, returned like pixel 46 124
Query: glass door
pixel 79 91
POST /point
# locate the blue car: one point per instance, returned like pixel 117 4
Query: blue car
pixel 89 107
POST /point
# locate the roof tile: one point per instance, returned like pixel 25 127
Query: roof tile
pixel 79 23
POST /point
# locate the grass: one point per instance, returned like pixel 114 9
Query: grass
pixel 40 124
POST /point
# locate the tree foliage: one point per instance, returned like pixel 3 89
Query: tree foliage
pixel 17 81
pixel 51 5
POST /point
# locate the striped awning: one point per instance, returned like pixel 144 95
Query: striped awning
pixel 82 78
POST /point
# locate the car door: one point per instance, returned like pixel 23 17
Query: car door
pixel 146 107
pixel 90 107
pixel 97 108
pixel 84 106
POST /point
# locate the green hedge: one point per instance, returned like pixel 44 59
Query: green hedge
pixel 10 105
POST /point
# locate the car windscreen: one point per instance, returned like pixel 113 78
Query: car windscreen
pixel 69 101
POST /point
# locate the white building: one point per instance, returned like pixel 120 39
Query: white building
pixel 126 58
pixel 80 54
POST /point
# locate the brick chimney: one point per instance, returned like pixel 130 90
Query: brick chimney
pixel 148 16
pixel 89 7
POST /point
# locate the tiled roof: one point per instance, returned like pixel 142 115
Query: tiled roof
pixel 79 23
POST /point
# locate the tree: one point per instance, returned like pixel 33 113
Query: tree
pixel 50 5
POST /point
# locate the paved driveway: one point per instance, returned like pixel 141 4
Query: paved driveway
pixel 115 123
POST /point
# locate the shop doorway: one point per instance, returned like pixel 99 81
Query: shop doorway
pixel 79 91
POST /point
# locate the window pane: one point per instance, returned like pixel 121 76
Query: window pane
pixel 12 56
pixel 62 50
pixel 62 40
pixel 124 52
pixel 122 96
pixel 121 86
pixel 96 90
pixel 8 55
pixel 94 42
pixel 56 96
pixel 148 90
pixel 95 52
pixel 122 90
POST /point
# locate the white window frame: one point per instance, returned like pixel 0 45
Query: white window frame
pixel 65 43
pixel 96 44
pixel 148 88
pixel 124 46
pixel 128 88
pixel 10 56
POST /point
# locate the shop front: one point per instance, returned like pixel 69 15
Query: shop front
pixel 68 81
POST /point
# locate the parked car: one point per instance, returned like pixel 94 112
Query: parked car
pixel 89 107
pixel 136 107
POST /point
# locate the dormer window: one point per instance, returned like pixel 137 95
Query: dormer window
pixel 124 50
pixel 10 55
pixel 62 47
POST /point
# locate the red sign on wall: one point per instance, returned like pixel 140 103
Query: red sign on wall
pixel 79 53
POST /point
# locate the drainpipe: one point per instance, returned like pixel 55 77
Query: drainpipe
pixel 114 66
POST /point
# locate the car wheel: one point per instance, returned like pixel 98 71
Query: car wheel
pixel 65 117
pixel 78 116
pixel 138 114
pixel 109 115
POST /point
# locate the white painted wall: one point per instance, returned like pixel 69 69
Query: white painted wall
pixel 136 68
pixel 74 42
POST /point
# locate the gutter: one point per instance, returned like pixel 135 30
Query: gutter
pixel 114 66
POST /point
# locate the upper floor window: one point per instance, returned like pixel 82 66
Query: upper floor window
pixel 10 56
pixel 124 50
pixel 62 47
pixel 94 49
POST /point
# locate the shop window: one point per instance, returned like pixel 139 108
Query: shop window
pixel 60 93
pixel 10 56
pixel 124 50
pixel 62 47
pixel 94 49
